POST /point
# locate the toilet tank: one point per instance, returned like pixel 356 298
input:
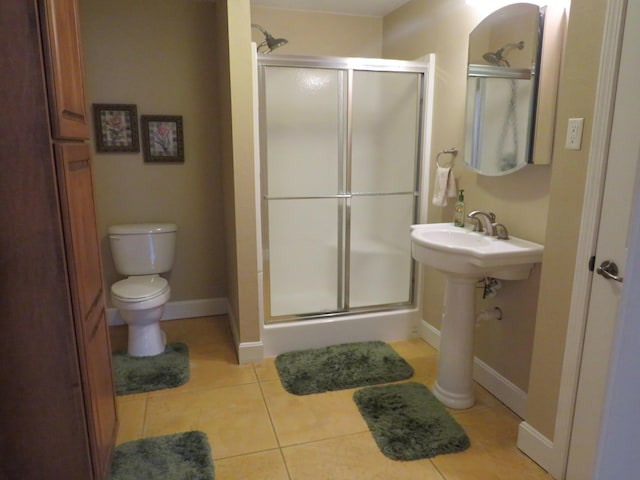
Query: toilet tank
pixel 143 248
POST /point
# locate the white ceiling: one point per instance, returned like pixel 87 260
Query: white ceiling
pixel 377 8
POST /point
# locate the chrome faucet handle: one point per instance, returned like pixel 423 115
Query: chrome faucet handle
pixel 501 231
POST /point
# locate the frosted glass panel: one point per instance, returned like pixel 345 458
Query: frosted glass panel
pixel 380 258
pixel 303 123
pixel 336 219
pixel 384 142
pixel 303 258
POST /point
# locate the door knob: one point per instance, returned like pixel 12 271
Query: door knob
pixel 609 270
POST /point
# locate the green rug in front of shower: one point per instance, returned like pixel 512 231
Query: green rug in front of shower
pixel 339 367
pixel 144 374
pixel 178 456
pixel 408 422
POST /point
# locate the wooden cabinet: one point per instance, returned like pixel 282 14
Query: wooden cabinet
pixel 75 184
pixel 73 163
pixel 65 75
pixel 57 405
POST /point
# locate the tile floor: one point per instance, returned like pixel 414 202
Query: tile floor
pixel 259 431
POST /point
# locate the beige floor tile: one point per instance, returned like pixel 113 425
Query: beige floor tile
pixel 266 370
pixel 323 436
pixel 234 418
pixel 489 425
pixel 263 466
pixel 421 356
pixel 353 457
pixel 493 454
pixel 131 413
pixel 305 418
pixel 211 370
pixel 202 334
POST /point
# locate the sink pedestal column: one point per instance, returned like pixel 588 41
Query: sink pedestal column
pixel 454 385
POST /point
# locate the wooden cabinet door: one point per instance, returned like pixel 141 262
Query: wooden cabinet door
pixel 99 394
pixel 81 235
pixel 85 275
pixel 64 69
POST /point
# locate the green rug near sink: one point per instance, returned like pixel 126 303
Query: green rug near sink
pixel 339 367
pixel 408 422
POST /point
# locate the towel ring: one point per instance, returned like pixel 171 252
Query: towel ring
pixel 452 151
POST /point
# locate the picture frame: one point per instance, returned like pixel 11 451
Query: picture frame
pixel 116 128
pixel 162 138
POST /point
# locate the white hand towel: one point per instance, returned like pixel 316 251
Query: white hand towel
pixel 444 186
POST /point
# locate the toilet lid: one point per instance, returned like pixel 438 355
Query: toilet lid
pixel 140 288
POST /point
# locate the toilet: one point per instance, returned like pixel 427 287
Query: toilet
pixel 142 252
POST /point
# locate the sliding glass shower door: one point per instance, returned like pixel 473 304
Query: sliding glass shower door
pixel 339 165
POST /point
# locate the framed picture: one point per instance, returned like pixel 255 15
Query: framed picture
pixel 162 139
pixel 116 128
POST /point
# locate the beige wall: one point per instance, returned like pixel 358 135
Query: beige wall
pixel 520 200
pixel 541 203
pixel 161 58
pixel 236 80
pixel 576 99
pixel 320 34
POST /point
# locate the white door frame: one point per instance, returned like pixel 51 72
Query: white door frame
pixel 596 170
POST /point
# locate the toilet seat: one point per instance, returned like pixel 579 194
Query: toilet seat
pixel 139 288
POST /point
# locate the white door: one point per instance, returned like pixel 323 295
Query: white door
pixel 612 245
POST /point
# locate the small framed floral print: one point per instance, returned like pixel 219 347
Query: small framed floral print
pixel 116 128
pixel 162 139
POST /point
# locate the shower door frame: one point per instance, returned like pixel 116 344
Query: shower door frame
pixel 347 66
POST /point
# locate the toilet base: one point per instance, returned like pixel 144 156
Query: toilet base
pixel 146 341
pixel 146 338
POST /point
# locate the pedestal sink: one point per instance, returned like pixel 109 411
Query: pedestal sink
pixel 466 257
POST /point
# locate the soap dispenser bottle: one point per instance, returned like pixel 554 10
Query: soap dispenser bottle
pixel 458 212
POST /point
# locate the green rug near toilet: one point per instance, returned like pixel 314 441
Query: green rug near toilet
pixel 144 374
pixel 408 422
pixel 339 367
pixel 179 456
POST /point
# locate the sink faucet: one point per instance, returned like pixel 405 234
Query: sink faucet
pixel 484 219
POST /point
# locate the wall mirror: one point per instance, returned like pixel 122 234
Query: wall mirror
pixel 512 78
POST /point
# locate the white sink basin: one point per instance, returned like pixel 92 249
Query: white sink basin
pixel 465 257
pixel 459 251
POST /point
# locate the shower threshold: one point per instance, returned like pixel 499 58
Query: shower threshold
pixel 305 332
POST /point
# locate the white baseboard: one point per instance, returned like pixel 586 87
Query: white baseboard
pixel 248 352
pixel 508 393
pixel 429 334
pixel 181 309
pixel 512 396
pixel 537 447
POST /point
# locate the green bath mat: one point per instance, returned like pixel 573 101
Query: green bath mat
pixel 338 367
pixel 408 422
pixel 144 374
pixel 179 456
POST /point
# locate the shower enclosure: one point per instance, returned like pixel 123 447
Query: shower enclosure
pixel 340 143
